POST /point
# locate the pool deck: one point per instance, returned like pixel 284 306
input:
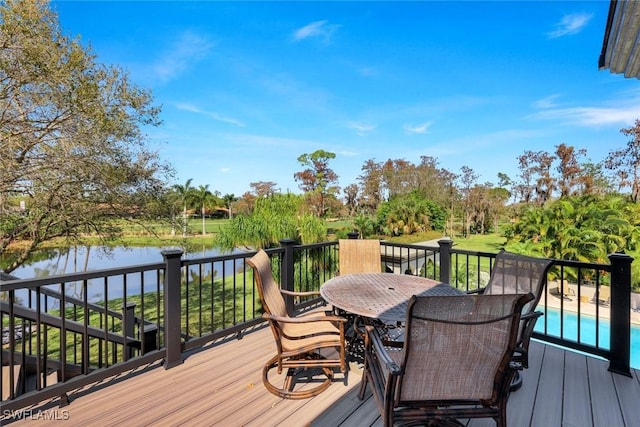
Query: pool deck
pixel 573 303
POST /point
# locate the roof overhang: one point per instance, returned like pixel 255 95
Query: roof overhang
pixel 621 45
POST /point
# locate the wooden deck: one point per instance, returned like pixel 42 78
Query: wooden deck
pixel 221 386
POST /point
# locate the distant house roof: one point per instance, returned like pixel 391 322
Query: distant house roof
pixel 621 44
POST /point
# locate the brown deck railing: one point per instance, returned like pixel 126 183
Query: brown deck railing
pixel 71 330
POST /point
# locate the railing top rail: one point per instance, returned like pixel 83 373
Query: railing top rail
pixel 409 245
pixel 316 245
pixel 217 258
pixel 583 265
pixel 74 277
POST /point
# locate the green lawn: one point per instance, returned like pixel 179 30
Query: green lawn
pixel 481 243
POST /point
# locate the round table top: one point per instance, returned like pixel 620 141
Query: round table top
pixel 381 296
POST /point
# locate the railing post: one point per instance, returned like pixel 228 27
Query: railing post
pixel 620 303
pixel 149 338
pixel 287 275
pixel 172 303
pixel 445 260
pixel 129 312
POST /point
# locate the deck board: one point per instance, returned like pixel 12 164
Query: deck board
pixel 605 410
pixel 628 394
pixel 550 386
pixel 221 385
pixel 576 409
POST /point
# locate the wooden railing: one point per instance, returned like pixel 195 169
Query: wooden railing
pixel 67 331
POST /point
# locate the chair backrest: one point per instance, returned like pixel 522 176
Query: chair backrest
pixel 518 274
pixel 359 256
pixel 268 288
pixel 604 294
pixel 459 347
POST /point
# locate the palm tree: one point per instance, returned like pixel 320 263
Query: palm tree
pixel 185 194
pixel 202 194
pixel 228 200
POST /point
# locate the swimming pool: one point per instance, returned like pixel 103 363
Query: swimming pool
pixel 587 331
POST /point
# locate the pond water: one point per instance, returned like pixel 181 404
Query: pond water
pixel 84 259
pixel 79 259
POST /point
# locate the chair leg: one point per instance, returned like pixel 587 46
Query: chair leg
pixel 516 382
pixel 287 391
pixel 363 386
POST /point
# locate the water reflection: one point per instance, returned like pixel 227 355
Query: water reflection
pixel 80 259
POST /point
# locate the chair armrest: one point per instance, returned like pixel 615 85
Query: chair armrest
pixel 378 344
pixel 476 291
pixel 300 294
pixel 531 315
pixel 521 352
pixel 305 319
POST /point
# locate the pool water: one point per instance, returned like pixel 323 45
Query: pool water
pixel 587 331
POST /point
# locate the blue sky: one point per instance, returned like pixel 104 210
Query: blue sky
pixel 247 87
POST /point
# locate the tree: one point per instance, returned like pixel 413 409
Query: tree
pixel 186 194
pixel 581 228
pixel 625 162
pixel 263 188
pixel 398 177
pixel 370 186
pixel 410 213
pixel 569 169
pixel 318 180
pixel 71 145
pixel 228 200
pixel 467 180
pixel 430 179
pixel 351 198
pixel 203 195
pixel 274 218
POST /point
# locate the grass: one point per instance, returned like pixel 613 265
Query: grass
pixel 481 243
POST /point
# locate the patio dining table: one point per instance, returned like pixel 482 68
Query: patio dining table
pixel 380 296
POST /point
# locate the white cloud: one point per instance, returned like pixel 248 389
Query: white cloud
pixel 570 24
pixel 592 116
pixel 361 128
pixel 417 129
pixel 215 116
pixel 318 29
pixel 188 49
pixel 546 102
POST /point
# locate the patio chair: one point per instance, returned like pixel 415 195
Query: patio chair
pixel 516 274
pixel 359 256
pixel 304 343
pixel 604 295
pixel 566 291
pixel 456 361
